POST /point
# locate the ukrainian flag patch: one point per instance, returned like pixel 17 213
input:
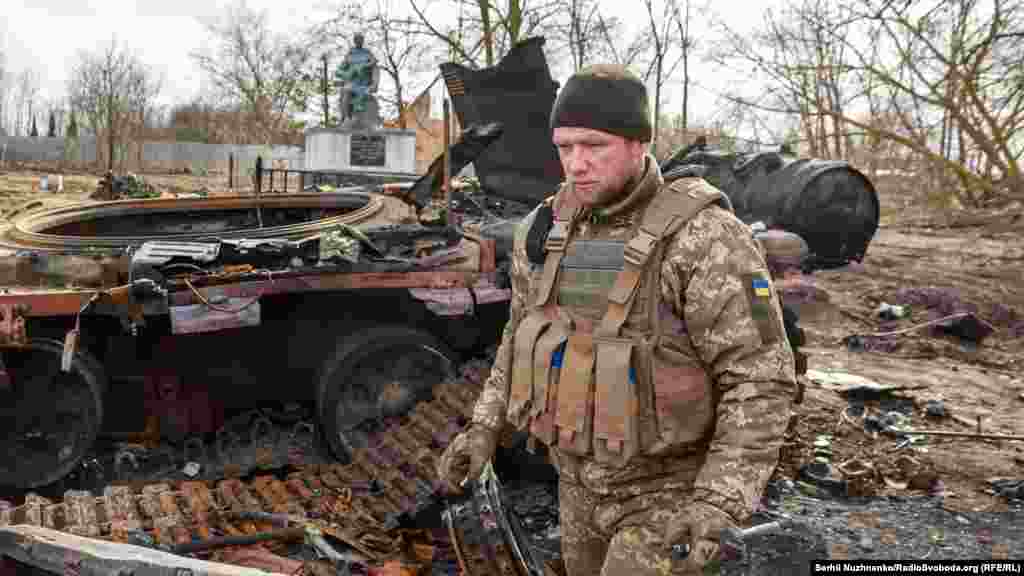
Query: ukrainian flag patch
pixel 761 287
pixel 762 306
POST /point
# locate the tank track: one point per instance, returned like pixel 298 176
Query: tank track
pixel 392 475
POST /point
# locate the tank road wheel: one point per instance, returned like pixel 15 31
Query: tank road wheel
pixel 375 374
pixel 49 419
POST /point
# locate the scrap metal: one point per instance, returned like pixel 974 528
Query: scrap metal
pixel 399 460
pixel 12 325
pixel 488 540
pixel 31 230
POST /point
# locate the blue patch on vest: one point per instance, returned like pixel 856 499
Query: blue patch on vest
pixel 559 353
pixel 556 356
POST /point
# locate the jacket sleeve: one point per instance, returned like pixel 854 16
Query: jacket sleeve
pixel 718 284
pixel 491 406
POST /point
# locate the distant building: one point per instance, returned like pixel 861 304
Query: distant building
pixel 429 130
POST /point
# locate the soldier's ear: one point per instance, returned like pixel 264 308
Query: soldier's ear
pixel 637 148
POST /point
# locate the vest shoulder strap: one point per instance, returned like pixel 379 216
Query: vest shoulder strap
pixel 672 207
pixel 678 202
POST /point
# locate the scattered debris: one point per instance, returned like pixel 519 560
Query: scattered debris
pixel 486 537
pixel 871 343
pixel 977 435
pixel 948 302
pixel 260 559
pixel 1009 488
pixel 907 472
pixel 192 515
pixel 965 326
pixel 935 409
pixel 890 312
pixel 854 386
pixel 820 479
pixel 823 448
pixel 860 475
pixel 112 187
pixel 191 469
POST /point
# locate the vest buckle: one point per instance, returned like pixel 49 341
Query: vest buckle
pixel 639 249
pixel 557 237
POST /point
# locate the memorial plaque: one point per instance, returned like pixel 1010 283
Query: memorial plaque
pixel 367 150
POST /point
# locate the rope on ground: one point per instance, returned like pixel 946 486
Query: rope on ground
pixel 906 330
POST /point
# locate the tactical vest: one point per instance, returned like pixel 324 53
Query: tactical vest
pixel 593 373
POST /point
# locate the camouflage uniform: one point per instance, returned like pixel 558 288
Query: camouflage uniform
pixel 613 518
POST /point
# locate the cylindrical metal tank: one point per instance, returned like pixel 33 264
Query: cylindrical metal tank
pixel 829 203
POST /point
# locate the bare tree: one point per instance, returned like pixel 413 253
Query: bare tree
pixel 112 90
pixel 26 92
pixel 4 92
pixel 664 38
pixel 686 45
pixel 946 77
pixel 801 57
pixel 487 25
pixel 957 73
pixel 588 35
pixel 254 69
pixel 581 30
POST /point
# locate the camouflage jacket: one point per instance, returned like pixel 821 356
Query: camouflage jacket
pixel 701 284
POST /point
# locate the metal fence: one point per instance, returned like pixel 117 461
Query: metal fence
pixel 196 157
pixel 288 180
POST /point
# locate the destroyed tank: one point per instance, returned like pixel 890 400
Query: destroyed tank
pixel 157 320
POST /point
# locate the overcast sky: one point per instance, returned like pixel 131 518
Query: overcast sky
pixel 45 35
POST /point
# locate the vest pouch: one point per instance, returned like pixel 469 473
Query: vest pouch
pixel 683 401
pixel 548 358
pixel 616 402
pixel 520 395
pixel 574 419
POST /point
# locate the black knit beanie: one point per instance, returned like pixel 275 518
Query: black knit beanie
pixel 605 97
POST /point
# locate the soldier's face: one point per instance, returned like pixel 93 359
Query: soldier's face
pixel 598 164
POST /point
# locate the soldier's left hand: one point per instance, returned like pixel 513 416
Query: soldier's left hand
pixel 697 529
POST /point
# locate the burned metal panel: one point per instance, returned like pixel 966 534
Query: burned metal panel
pixel 48 303
pixel 64 553
pixel 328 282
pixel 470 145
pixel 459 301
pixel 230 313
pixel 12 326
pixel 519 92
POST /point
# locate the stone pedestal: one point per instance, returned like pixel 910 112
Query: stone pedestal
pixel 382 150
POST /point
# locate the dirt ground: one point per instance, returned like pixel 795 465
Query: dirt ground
pixel 937 263
pixel 20 183
pixel 928 495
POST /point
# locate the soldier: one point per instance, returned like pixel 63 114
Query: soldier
pixel 645 348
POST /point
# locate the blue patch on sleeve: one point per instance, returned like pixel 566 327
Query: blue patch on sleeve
pixel 760 283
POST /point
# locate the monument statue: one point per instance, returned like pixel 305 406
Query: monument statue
pixel 357 78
